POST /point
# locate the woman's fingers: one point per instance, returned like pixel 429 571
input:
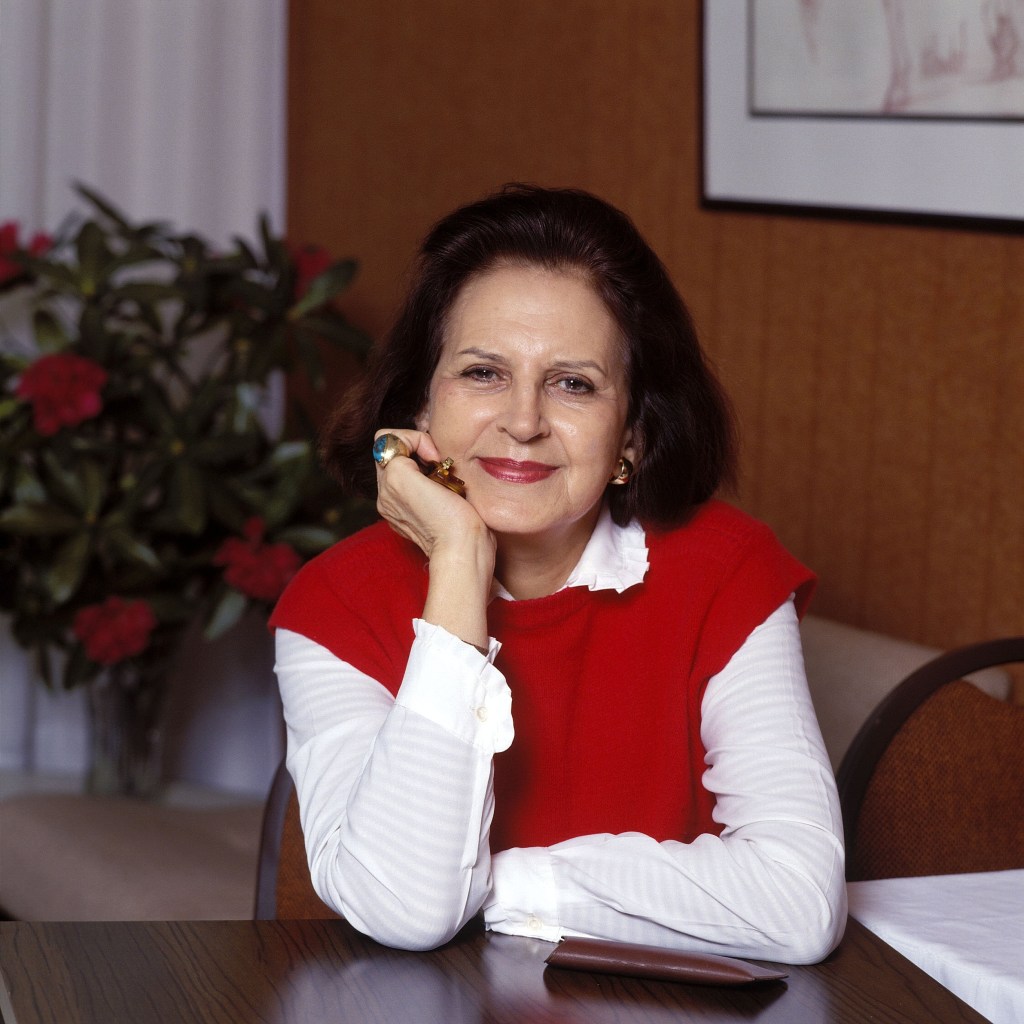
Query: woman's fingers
pixel 419 443
pixel 416 507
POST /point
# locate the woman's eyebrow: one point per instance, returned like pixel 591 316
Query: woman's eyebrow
pixel 491 357
pixel 578 364
pixel 561 364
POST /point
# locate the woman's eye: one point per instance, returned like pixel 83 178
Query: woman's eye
pixel 575 385
pixel 481 373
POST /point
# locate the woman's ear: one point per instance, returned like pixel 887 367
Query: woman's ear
pixel 625 462
pixel 422 420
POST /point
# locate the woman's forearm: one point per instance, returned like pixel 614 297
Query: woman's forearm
pixel 460 585
pixel 395 794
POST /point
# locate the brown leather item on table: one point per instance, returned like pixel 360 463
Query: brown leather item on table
pixel 605 957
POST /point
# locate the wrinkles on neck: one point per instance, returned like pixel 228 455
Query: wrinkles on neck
pixel 529 567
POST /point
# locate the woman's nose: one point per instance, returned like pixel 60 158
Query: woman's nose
pixel 523 414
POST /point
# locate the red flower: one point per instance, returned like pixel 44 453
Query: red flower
pixel 256 569
pixel 9 245
pixel 114 630
pixel 310 262
pixel 64 390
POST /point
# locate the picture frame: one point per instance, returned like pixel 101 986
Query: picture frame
pixel 967 169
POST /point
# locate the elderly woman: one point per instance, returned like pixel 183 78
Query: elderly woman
pixel 566 689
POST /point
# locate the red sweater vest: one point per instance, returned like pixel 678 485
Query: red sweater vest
pixel 606 687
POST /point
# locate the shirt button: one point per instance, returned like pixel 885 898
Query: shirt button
pixel 481 714
pixel 534 923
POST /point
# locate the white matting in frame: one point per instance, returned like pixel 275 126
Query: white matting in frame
pixel 966 168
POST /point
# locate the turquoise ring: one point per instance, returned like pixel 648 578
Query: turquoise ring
pixel 386 447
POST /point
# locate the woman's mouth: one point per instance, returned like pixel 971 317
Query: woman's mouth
pixel 515 472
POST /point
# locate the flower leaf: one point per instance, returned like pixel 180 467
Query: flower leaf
pixel 188 498
pixel 9 406
pixel 109 211
pixel 207 399
pixel 310 540
pixel 68 568
pixel 81 488
pixel 132 549
pixel 37 519
pixel 228 611
pixel 290 451
pixel 147 293
pixel 273 247
pixel 246 254
pixel 324 287
pixel 246 406
pixel 93 489
pixel 28 488
pixel 49 333
pixel 61 483
pixel 93 257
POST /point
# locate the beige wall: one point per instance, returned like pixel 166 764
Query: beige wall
pixel 878 369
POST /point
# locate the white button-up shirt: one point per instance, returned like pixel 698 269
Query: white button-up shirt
pixel 396 801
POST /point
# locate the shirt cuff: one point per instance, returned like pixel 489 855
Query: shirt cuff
pixel 523 900
pixel 452 684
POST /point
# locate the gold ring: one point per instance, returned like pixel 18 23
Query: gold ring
pixel 386 447
pixel 442 473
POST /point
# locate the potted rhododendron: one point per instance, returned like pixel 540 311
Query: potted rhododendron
pixel 144 484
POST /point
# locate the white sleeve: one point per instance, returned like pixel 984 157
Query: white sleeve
pixel 394 793
pixel 771 886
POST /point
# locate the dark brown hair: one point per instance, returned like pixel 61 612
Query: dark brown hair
pixel 681 420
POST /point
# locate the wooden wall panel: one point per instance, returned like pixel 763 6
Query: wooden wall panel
pixel 841 451
pixel 877 369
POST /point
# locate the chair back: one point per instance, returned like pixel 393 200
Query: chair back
pixel 284 890
pixel 934 781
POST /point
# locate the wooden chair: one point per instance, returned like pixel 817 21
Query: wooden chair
pixel 933 783
pixel 284 890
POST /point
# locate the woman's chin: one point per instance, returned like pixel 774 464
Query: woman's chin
pixel 522 518
pixel 534 520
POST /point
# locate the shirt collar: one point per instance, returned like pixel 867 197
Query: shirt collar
pixel 615 558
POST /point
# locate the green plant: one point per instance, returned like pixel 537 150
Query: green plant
pixel 140 484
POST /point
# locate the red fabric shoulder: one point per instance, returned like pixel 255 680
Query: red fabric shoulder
pixel 370 578
pixel 749 572
pixel 760 553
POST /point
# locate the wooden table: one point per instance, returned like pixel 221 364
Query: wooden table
pixel 323 972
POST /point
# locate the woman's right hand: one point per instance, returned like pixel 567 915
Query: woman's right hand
pixel 447 529
pixel 419 508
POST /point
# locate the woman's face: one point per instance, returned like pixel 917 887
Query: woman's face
pixel 530 399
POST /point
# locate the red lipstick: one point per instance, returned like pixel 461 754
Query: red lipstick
pixel 515 472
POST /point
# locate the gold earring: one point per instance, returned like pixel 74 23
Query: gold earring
pixel 623 473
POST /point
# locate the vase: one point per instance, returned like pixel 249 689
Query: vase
pixel 127 733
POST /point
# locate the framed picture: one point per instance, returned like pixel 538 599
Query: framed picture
pixel 908 108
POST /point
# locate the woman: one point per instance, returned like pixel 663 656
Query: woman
pixel 664 781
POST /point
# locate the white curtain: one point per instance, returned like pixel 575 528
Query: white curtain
pixel 174 110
